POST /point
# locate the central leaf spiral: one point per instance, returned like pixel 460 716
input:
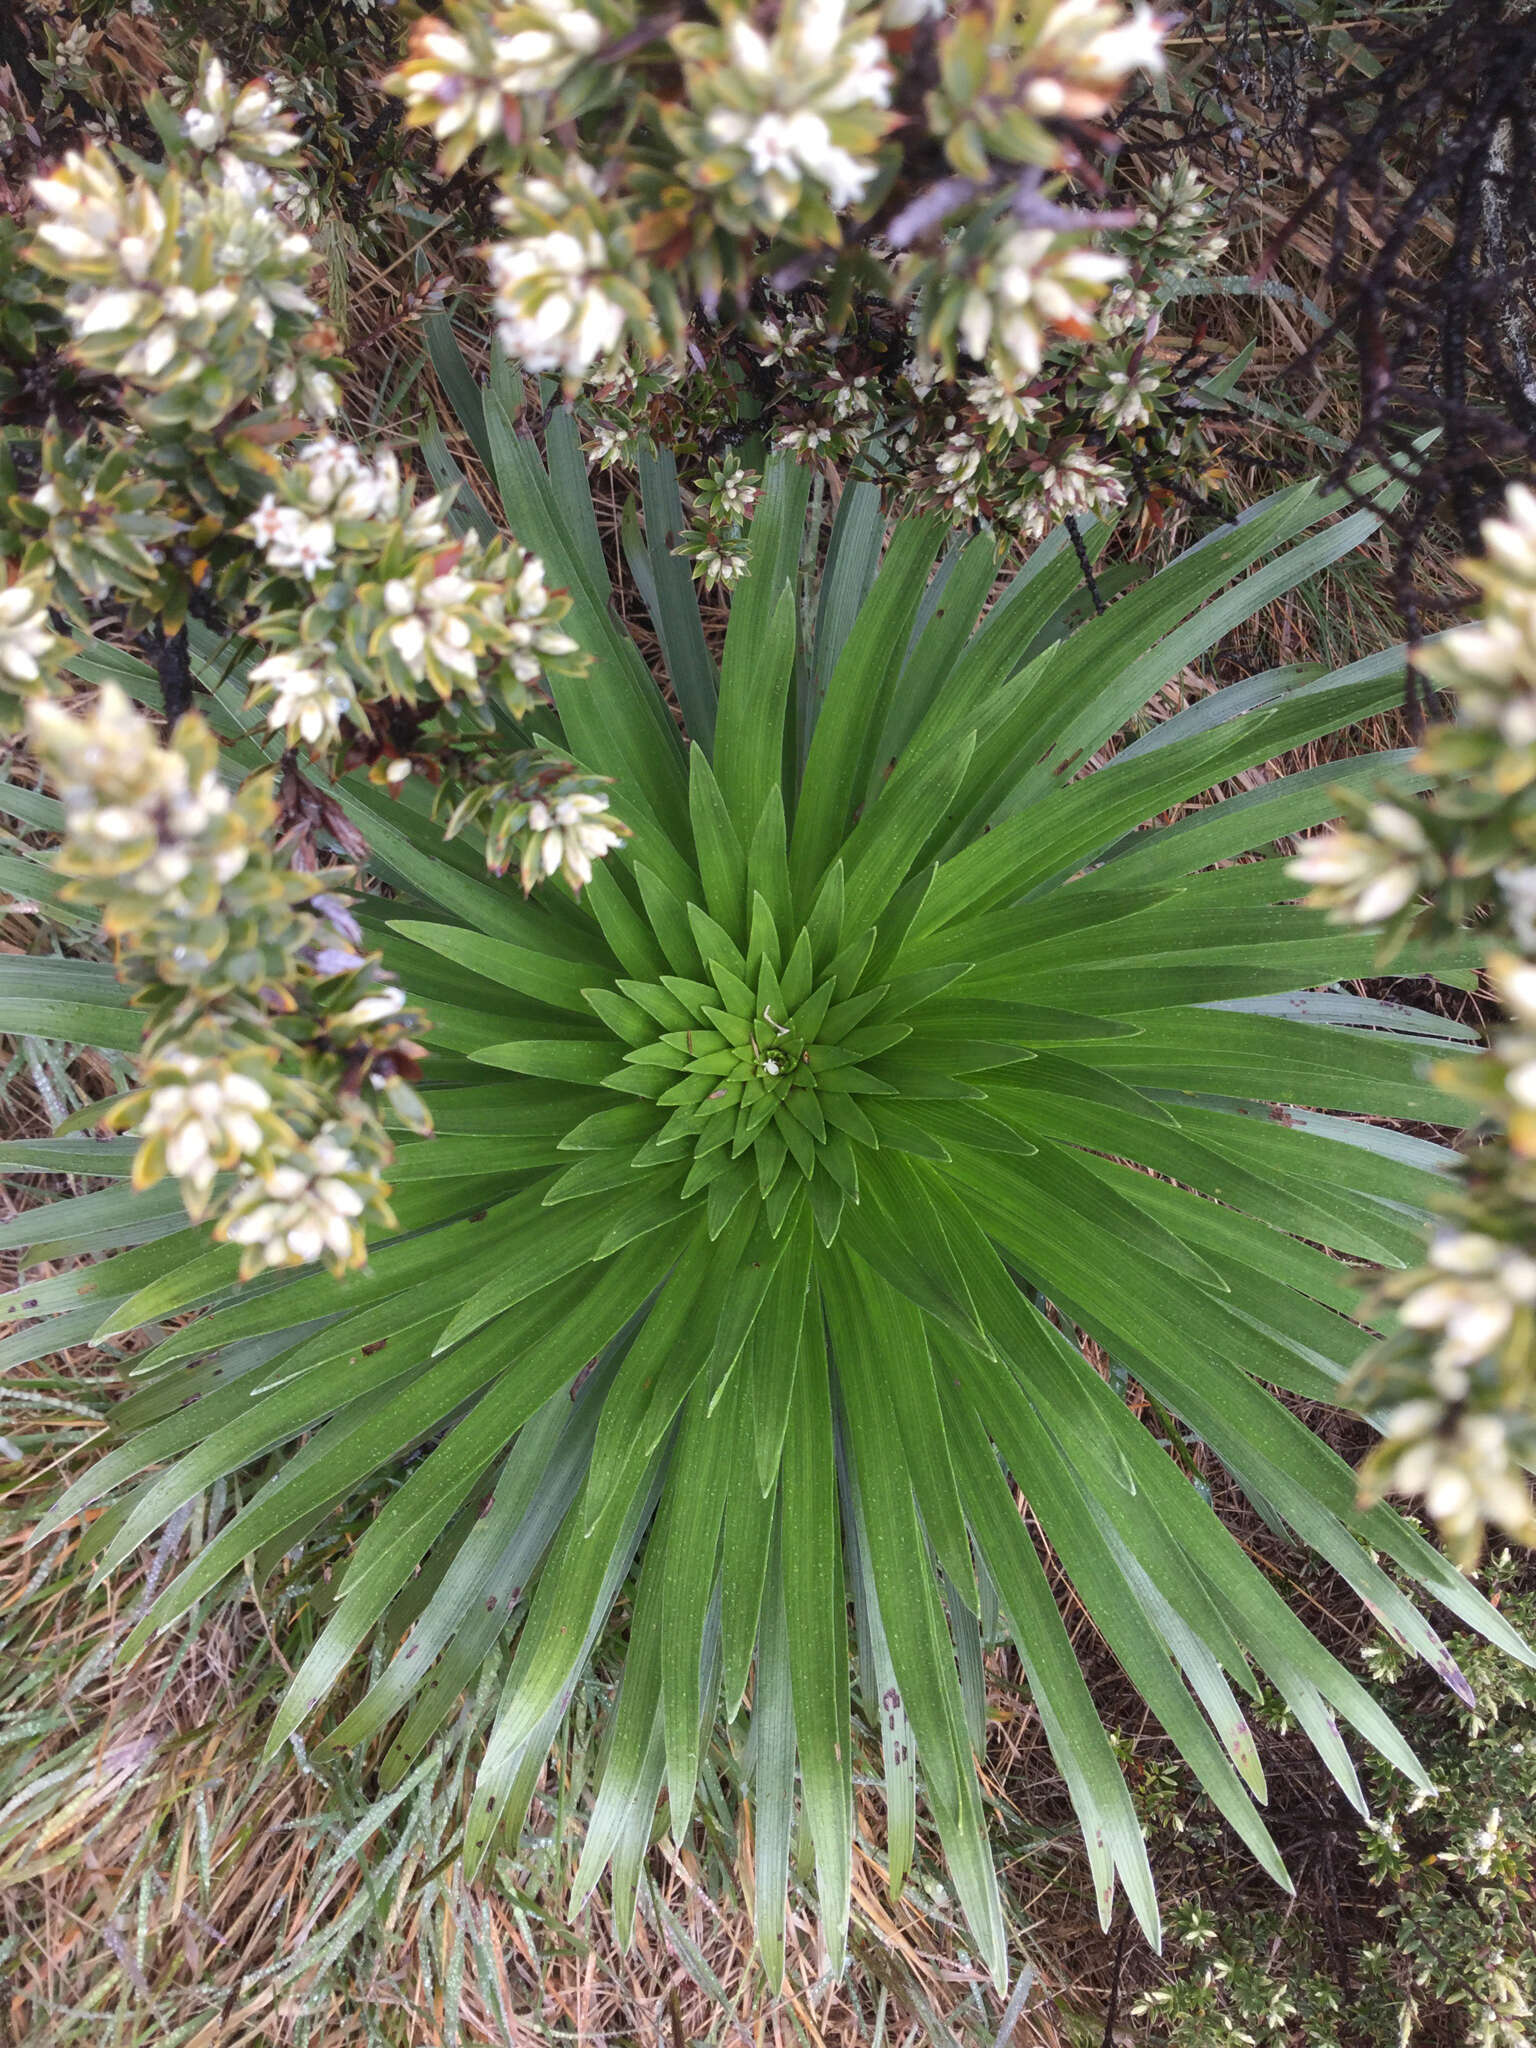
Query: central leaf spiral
pixel 767 1057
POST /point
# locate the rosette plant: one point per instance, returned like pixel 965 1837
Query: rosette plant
pixel 780 1182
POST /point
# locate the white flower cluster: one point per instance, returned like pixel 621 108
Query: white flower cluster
pixel 1125 310
pixel 735 490
pixel 1458 1381
pixel 1073 485
pixel 787 123
pixel 522 609
pixel 1005 408
pixel 805 437
pixel 795 85
pixel 29 647
pixel 557 278
pixel 1491 662
pixel 610 442
pixel 1464 1466
pixel 1083 53
pixel 1368 876
pixel 291 539
pixel 1128 395
pixel 1031 282
pixel 309 695
pixel 388 601
pixel 716 541
pixel 718 560
pixel 134 810
pixel 566 836
pixel 437 623
pixel 1474 1289
pixel 180 290
pixel 1481 1846
pixel 781 341
pixel 332 495
pixel 1181 222
pixel 252 122
pixel 333 477
pixel 203 1116
pixel 463 75
pixel 960 457
pixel 308 1204
pixel 426 621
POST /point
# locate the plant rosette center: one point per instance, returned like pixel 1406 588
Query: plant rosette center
pixel 767 1071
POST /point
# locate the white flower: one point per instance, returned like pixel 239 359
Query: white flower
pixel 1030 283
pixel 554 307
pixel 459 85
pixel 1514 982
pixel 737 493
pixel 567 836
pixel 207 1117
pixel 184 289
pixel 1002 405
pixel 611 441
pixel 429 626
pixel 27 641
pixel 1178 198
pixel 1360 878
pixel 538 57
pixel 1511 541
pixel 1465 1251
pixel 1464 1468
pixel 305 1207
pixel 290 540
pixel 1127 398
pixel 332 477
pixel 1492 661
pixel 1126 308
pixel 770 119
pixel 1082 54
pixel 310 695
pixel 807 437
pixel 959 459
pixel 86 199
pixel 385 1002
pixel 252 122
pixel 134 810
pixel 1076 483
pixel 205 129
pixel 790 146
pixel 1482 1284
pixel 1397 827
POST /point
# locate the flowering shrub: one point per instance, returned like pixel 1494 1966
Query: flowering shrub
pixel 269 1033
pixel 1456 1386
pixel 206 482
pixel 804 139
pixel 774 1179
pixel 1097 421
